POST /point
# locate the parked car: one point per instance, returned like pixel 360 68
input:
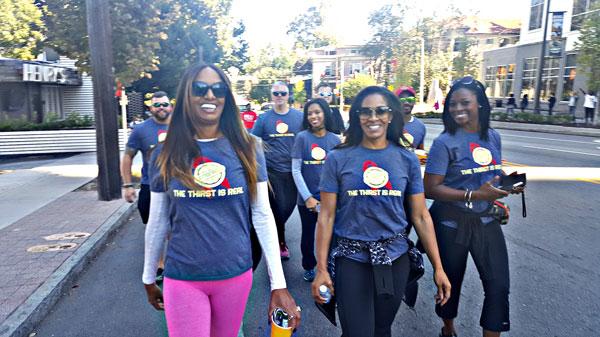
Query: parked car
pixel 266 106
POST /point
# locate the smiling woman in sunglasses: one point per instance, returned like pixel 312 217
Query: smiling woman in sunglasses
pixel 363 186
pixel 414 129
pixel 207 180
pixel 461 177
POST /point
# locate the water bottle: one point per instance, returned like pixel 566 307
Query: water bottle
pixel 325 293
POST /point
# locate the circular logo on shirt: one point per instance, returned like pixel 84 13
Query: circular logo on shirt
pixel 409 137
pixel 482 156
pixel 209 175
pixel 282 127
pixel 318 153
pixel 375 177
pixel 162 136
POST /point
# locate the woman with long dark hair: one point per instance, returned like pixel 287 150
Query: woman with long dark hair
pixel 207 180
pixel 308 156
pixel 461 177
pixel 363 186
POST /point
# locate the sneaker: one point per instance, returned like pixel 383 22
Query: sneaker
pixel 284 252
pixel 159 275
pixel 309 275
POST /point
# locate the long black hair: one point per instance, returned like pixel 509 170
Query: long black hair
pixel 180 146
pixel 327 119
pixel 483 102
pixel 354 134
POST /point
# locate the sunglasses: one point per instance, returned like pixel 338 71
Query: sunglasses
pixel 325 94
pixel 200 89
pixel 163 104
pixel 467 80
pixel 407 99
pixel 379 112
pixel 279 93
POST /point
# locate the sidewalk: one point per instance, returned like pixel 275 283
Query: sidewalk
pixel 49 230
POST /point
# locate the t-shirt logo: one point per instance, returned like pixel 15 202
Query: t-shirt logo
pixel 281 127
pixel 481 155
pixel 317 153
pixel 209 174
pixel 162 135
pixel 248 117
pixel 375 177
pixel 409 137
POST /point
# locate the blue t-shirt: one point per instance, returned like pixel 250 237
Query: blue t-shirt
pixel 144 138
pixel 313 150
pixel 371 186
pixel 414 132
pixel 210 227
pixel 466 162
pixel 278 132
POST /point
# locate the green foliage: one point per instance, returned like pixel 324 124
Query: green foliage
pixel 528 117
pixel 51 122
pixel 589 48
pixel 307 31
pixel 299 92
pixel 261 92
pixel 352 86
pixel 21 29
pixel 466 62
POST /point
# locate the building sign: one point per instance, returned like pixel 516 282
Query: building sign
pixel 556 41
pixel 50 74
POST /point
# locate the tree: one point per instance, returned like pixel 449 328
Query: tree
pixel 299 92
pixel 466 62
pixel 21 29
pixel 307 30
pixel 352 86
pixel 589 49
pixel 261 92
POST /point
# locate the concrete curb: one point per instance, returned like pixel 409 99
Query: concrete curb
pixel 24 319
pixel 556 129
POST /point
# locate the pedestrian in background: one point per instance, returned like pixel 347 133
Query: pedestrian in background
pixel 249 117
pixel 325 92
pixel 278 128
pixel 208 162
pixel 511 104
pixel 573 98
pixel 589 104
pixel 524 102
pixel 143 138
pixel 363 186
pixel 461 177
pixel 414 130
pixel 551 103
pixel 308 156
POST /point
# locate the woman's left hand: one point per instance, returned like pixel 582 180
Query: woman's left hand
pixel 281 298
pixel 443 285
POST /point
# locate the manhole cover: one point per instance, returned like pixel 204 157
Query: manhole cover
pixel 52 248
pixel 67 236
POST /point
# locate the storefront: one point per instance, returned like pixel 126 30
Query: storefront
pixel 32 90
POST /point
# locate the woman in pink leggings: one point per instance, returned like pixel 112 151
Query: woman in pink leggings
pixel 208 183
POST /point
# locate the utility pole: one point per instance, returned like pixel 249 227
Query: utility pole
pixel 538 79
pixel 422 75
pixel 107 140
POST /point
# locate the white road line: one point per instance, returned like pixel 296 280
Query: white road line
pixel 558 150
pixel 542 138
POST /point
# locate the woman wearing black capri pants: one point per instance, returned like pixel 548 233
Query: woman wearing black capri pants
pixel 363 186
pixel 461 176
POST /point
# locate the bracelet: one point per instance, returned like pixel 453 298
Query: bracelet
pixel 128 185
pixel 465 196
pixel 469 203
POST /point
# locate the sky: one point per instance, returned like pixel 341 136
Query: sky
pixel 267 20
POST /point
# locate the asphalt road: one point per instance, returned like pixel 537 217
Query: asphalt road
pixel 554 255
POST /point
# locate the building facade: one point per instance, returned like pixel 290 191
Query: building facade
pixel 331 64
pixel 513 69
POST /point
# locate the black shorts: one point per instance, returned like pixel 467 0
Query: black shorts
pixel 143 203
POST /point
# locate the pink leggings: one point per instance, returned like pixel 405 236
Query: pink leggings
pixel 206 308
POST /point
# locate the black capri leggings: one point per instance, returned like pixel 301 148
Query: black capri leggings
pixel 282 198
pixel 494 276
pixel 363 313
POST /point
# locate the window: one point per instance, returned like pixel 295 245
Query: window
pixel 490 73
pixel 356 68
pixel 499 80
pixel 580 9
pixel 489 41
pixel 329 70
pixel 569 76
pixel 528 76
pixel 330 52
pixel 536 14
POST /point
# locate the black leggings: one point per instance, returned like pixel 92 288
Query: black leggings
pixel 307 244
pixel 282 197
pixel 496 282
pixel 363 313
pixel 143 203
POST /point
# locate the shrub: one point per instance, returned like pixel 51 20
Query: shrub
pixel 51 122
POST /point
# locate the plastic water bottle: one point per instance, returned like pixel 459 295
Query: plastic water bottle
pixel 325 293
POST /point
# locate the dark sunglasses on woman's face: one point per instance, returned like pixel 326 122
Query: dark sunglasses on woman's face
pixel 200 89
pixel 279 93
pixel 325 94
pixel 163 104
pixel 379 111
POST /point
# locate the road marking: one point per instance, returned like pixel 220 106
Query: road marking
pixel 558 150
pixel 553 139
